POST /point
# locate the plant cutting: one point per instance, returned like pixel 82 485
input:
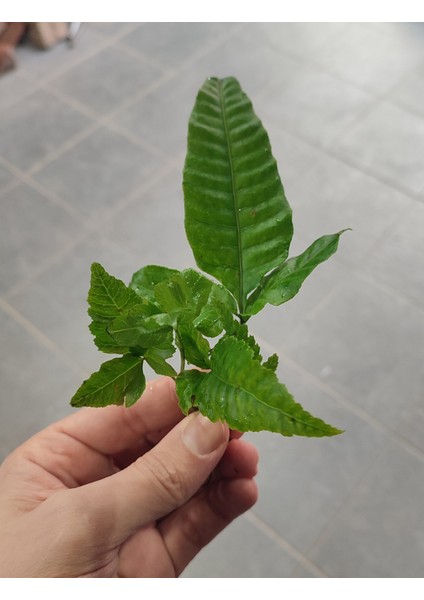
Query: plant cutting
pixel 239 226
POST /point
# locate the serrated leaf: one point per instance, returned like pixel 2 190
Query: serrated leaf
pixel 195 348
pixel 191 297
pixel 237 219
pixel 136 329
pixel 284 282
pixel 144 280
pixel 117 382
pixel 241 332
pixel 248 396
pixel 271 362
pixel 187 384
pixel 108 296
pixel 104 341
pixel 156 360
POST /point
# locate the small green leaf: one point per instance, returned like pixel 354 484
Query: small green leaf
pixel 104 341
pixel 271 362
pixel 248 396
pixel 285 281
pixel 241 332
pixel 117 382
pixel 144 281
pixel 187 384
pixel 108 296
pixel 194 347
pixel 157 362
pixel 135 329
pixel 189 296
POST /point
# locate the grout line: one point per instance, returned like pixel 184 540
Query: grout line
pixel 39 336
pixel 284 544
pixel 344 401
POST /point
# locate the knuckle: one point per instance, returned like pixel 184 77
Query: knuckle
pixel 166 477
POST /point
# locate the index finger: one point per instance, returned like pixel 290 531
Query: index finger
pixel 114 429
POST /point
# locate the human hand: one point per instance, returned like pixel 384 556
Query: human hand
pixel 118 492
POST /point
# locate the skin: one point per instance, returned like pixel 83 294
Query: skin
pixel 119 492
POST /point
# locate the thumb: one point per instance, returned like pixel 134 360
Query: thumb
pixel 161 480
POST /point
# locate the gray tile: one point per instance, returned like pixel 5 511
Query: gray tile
pixel 275 324
pixel 56 302
pixel 314 105
pixel 97 173
pixel 355 339
pixel 410 91
pixel 255 65
pixel 241 550
pixel 13 87
pixel 397 260
pixel 298 39
pixel 160 119
pixel 109 28
pixel 390 141
pixel 35 126
pixel 31 231
pixel 6 178
pixel 303 482
pixel 368 58
pixel 172 44
pixel 107 79
pixel 380 532
pixel 152 226
pixel 334 196
pixel 35 385
pixel 302 572
pixel 40 65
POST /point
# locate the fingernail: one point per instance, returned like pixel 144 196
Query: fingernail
pixel 201 436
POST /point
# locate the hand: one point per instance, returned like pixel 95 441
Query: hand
pixel 118 492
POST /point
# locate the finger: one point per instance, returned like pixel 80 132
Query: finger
pixel 240 460
pixel 158 482
pixel 186 531
pixel 114 429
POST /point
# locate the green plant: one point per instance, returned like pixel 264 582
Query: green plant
pixel 239 225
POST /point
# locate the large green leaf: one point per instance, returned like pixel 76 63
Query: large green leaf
pixel 246 395
pixel 237 219
pixel 285 281
pixel 119 381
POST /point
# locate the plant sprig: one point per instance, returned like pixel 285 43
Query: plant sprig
pixel 239 225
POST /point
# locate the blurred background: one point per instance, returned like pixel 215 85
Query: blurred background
pixel 92 144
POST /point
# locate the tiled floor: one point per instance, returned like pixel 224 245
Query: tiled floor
pixel 92 140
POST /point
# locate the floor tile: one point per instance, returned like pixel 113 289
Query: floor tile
pixel 152 226
pixel 298 39
pixel 314 105
pixel 40 65
pixel 35 385
pixel 32 230
pixel 397 260
pixel 35 126
pixel 160 119
pixel 355 339
pixel 241 550
pixel 303 481
pixel 107 79
pixel 334 196
pixel 368 58
pixel 390 141
pixel 13 87
pixel 255 75
pixel 380 532
pixel 171 44
pixel 5 178
pixel 97 173
pixel 409 92
pixel 56 302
